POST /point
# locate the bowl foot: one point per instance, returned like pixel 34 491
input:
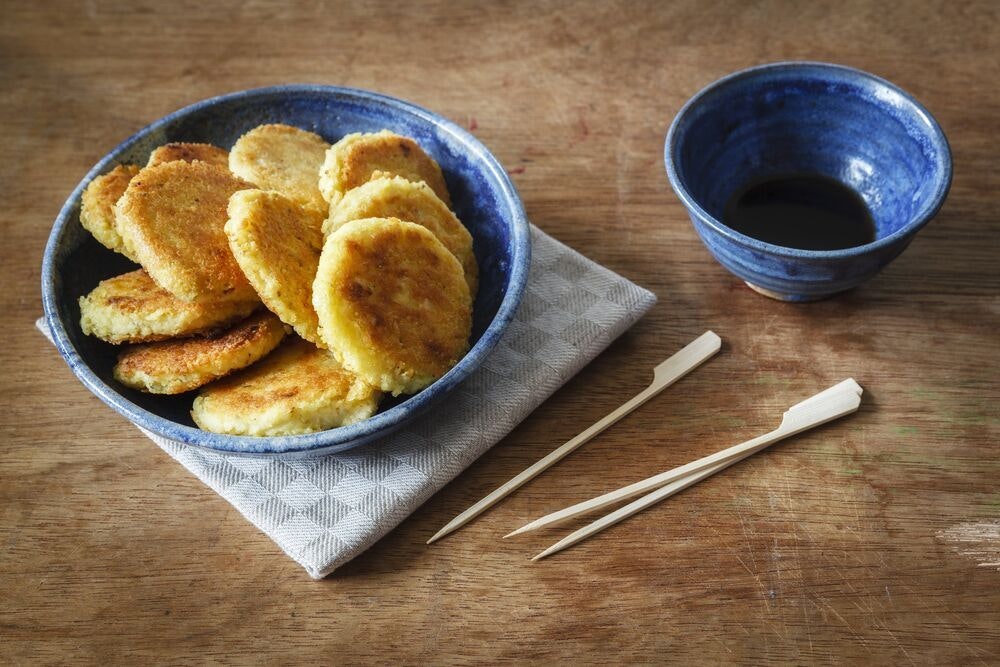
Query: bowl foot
pixel 781 296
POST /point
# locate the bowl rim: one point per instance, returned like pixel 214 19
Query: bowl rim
pixel 330 440
pixel 917 221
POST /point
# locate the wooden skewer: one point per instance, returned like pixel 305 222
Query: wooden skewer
pixel 801 417
pixel 665 374
pixel 727 456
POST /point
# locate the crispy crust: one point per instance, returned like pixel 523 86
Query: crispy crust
pixel 283 158
pixel 171 218
pixel 297 389
pixel 176 366
pixel 131 308
pixel 97 207
pixel 189 152
pixel 277 243
pixel 392 302
pixel 396 197
pixel 357 158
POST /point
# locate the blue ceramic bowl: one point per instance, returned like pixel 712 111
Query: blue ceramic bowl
pixel 808 118
pixel 483 196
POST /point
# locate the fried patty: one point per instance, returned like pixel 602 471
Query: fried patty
pixel 277 242
pixel 410 201
pixel 131 308
pixel 357 158
pixel 97 208
pixel 392 302
pixel 188 152
pixel 297 389
pixel 283 158
pixel 176 366
pixel 172 218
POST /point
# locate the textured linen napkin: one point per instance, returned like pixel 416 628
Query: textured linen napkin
pixel 325 511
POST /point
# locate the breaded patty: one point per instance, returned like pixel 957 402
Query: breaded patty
pixel 178 150
pixel 410 201
pixel 131 308
pixel 172 219
pixel 277 242
pixel 176 366
pixel 357 158
pixel 392 302
pixel 297 389
pixel 97 207
pixel 283 158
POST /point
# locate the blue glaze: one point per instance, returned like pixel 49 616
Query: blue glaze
pixel 482 194
pixel 789 118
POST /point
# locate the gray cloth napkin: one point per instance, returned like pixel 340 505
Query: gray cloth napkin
pixel 325 511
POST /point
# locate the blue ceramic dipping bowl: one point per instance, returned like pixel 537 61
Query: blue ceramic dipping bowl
pixel 808 118
pixel 483 198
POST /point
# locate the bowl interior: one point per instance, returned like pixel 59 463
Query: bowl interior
pixel 482 197
pixel 813 119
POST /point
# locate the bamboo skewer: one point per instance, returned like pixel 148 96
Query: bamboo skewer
pixel 665 374
pixel 838 401
pixel 726 456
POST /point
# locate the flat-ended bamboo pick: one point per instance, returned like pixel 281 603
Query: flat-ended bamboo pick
pixel 831 404
pixel 714 462
pixel 665 374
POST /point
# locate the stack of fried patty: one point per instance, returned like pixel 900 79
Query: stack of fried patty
pixel 289 281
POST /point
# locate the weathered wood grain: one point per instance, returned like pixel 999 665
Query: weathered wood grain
pixel 842 545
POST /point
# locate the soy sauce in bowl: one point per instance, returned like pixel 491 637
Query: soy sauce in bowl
pixel 805 211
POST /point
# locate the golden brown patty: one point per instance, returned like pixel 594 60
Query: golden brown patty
pixel 172 218
pixel 131 308
pixel 392 302
pixel 178 150
pixel 357 158
pixel 282 158
pixel 277 242
pixel 297 389
pixel 176 366
pixel 97 208
pixel 410 201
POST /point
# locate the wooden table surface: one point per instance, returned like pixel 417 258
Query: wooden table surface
pixel 875 539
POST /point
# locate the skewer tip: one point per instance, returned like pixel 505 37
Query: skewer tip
pixel 522 529
pixel 438 535
pixel 548 552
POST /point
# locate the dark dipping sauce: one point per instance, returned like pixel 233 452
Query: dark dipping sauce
pixel 804 211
